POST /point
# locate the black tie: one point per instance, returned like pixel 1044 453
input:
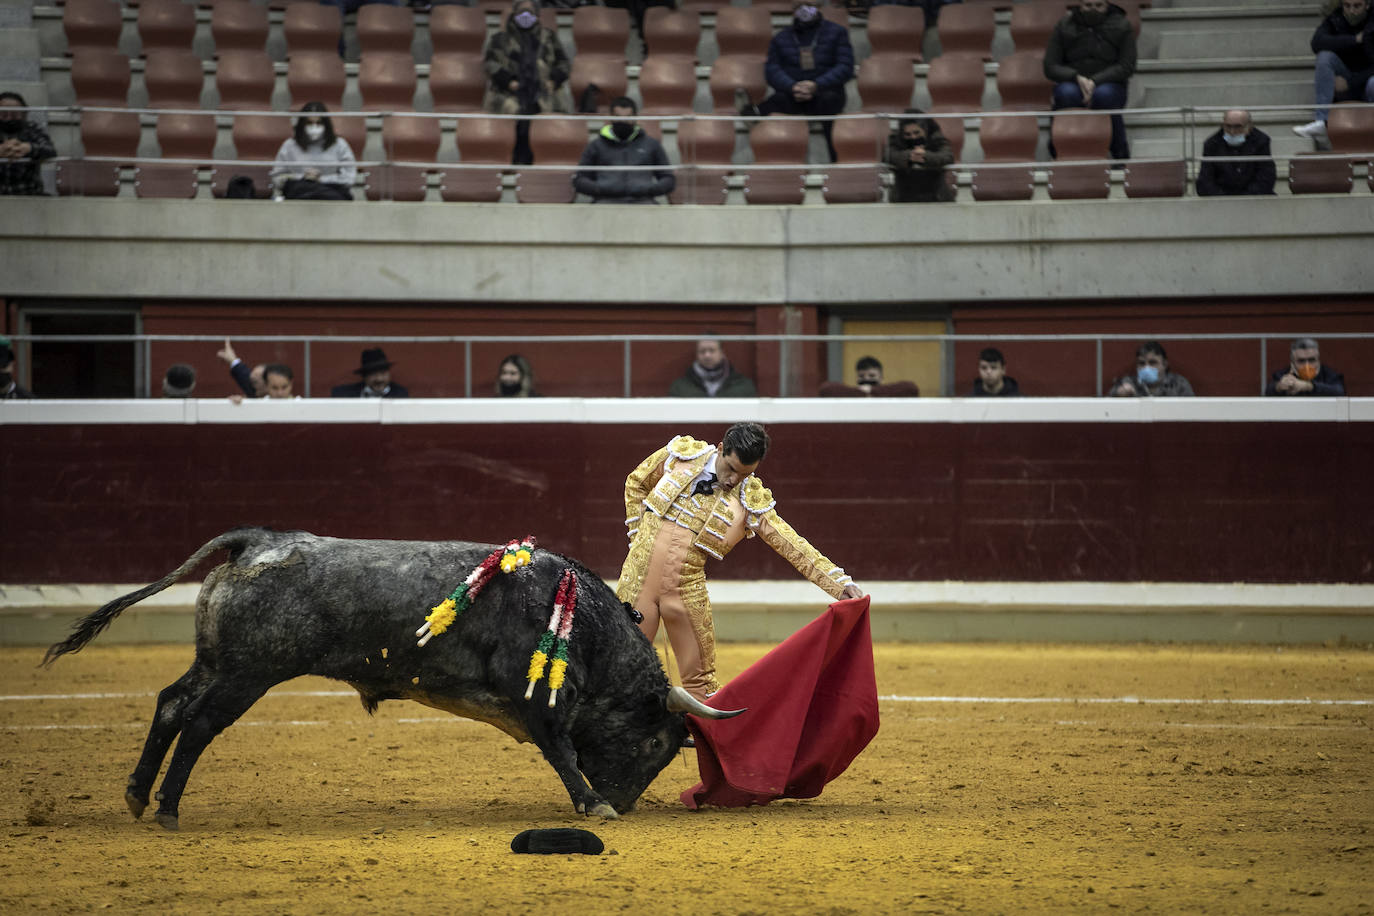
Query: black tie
pixel 705 487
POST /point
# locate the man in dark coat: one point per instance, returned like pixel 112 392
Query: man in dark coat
pixel 376 381
pixel 712 376
pixel 1306 375
pixel 623 142
pixel 809 63
pixel 23 145
pixel 1345 62
pixel 1090 57
pixel 919 154
pixel 1238 137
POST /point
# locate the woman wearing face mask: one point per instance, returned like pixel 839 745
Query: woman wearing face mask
pixel 515 379
pixel 527 73
pixel 23 144
pixel 1152 376
pixel 314 163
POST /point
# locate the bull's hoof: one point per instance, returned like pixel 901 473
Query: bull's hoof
pixel 601 809
pixel 168 821
pixel 136 804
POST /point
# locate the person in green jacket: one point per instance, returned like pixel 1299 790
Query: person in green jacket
pixel 1090 57
pixel 712 376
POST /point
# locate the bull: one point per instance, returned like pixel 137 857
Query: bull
pixel 286 604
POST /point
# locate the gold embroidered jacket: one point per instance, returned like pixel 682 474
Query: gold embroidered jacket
pixel 657 492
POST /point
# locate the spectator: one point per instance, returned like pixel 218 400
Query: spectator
pixel 636 9
pixel 315 163
pixel 623 142
pixel 376 382
pixel 280 381
pixel 179 382
pixel 527 73
pixel 1238 137
pixel 23 145
pixel 919 153
pixel 808 65
pixel 868 375
pixel 1345 62
pixel 1306 376
pixel 515 378
pixel 252 382
pixel 1090 57
pixel 9 387
pixel 930 8
pixel 993 381
pixel 352 6
pixel 1152 376
pixel 712 376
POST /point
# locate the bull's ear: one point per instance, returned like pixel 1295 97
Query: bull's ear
pixel 680 701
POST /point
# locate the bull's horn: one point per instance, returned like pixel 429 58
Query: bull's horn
pixel 680 700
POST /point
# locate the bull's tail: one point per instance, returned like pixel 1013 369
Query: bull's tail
pixel 92 625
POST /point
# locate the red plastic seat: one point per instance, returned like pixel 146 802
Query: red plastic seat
pixel 100 76
pixel 405 139
pixel 1006 139
pixel 312 27
pixel 897 30
pixel 955 83
pixel 555 141
pixel 238 25
pixel 245 80
pixel 1350 128
pixel 667 83
pixel 736 72
pixel 480 141
pixel 705 148
pixel 1320 174
pixel 778 141
pixel 457 29
pixel 457 81
pixel 255 137
pixel 1080 136
pixel 1156 179
pixel 1021 82
pixel 174 79
pixel 668 31
pixel 967 28
pixel 166 25
pixel 886 81
pixel 601 30
pixel 1032 23
pixel 606 73
pixel 743 30
pixel 316 76
pixel 386 80
pixel 857 141
pixel 385 28
pixel 92 24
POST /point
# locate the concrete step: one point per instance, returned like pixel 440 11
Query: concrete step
pixel 1192 45
pixel 1238 94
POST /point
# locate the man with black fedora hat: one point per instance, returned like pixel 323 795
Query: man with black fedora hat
pixel 376 383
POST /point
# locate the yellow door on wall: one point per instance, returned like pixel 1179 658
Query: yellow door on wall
pixel 917 361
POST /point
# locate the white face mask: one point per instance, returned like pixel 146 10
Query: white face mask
pixel 1234 139
pixel 314 132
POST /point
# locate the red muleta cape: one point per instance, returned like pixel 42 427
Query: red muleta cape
pixel 813 707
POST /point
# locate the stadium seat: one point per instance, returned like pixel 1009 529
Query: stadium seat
pixel 1320 174
pixel 174 79
pixel 1156 179
pixel 601 30
pixel 480 141
pixel 886 81
pixel 838 15
pixel 1080 136
pixel 238 25
pixel 1006 139
pixel 386 80
pixel 778 141
pixel 967 28
pixel 457 29
pixel 1032 22
pixel 166 24
pixel 1021 82
pixel 385 28
pixel 92 24
pixel 857 141
pixel 709 6
pixel 87 179
pixel 743 30
pixel 404 139
pixel 311 27
pixel 315 76
pixel 245 80
pixel 668 31
pixel 736 72
pixel 705 148
pixel 100 76
pixel 667 83
pixel 955 83
pixel 555 141
pixel 457 81
pixel 606 73
pixel 897 30
pixel 255 137
pixel 1350 128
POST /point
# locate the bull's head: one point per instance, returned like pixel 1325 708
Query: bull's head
pixel 631 754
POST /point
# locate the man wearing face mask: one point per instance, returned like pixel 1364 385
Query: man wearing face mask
pixel 1238 138
pixel 919 153
pixel 1345 62
pixel 1306 375
pixel 1152 376
pixel 624 143
pixel 1090 57
pixel 23 144
pixel 9 388
pixel 808 66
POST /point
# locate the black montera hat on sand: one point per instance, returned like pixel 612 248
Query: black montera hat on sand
pixel 557 841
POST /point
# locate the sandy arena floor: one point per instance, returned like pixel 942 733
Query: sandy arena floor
pixel 1214 805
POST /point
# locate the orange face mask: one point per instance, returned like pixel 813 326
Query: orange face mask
pixel 1307 371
